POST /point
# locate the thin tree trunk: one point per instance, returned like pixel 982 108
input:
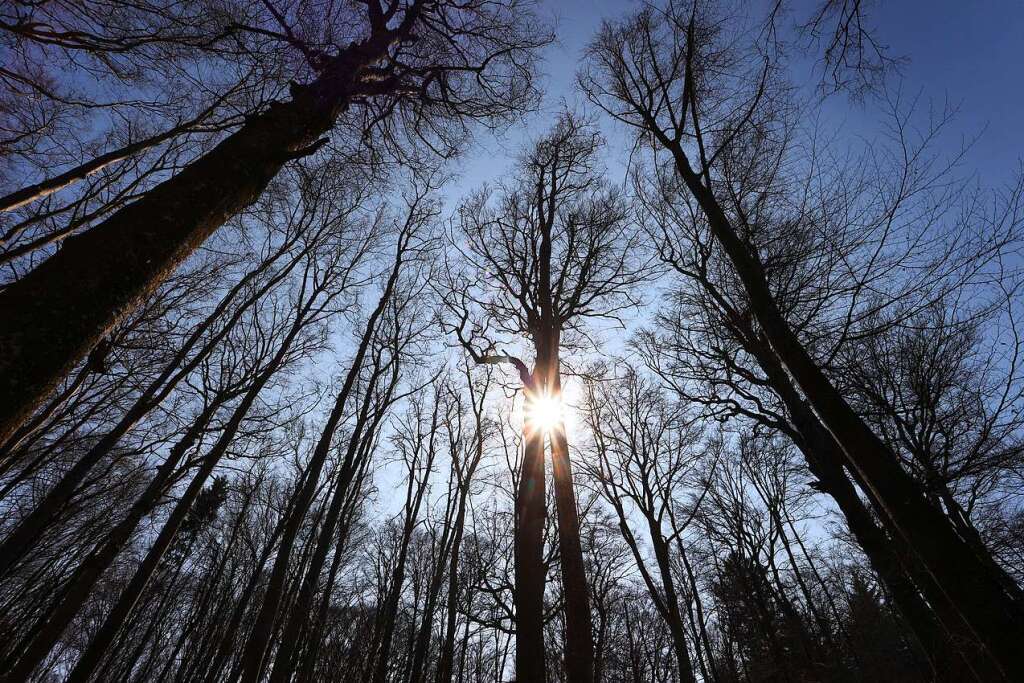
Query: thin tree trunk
pixel 672 611
pixel 55 183
pixel 996 618
pixel 413 502
pixel 299 615
pixel 316 631
pixel 259 639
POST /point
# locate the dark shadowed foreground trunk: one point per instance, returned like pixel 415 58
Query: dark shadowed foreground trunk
pixel 60 310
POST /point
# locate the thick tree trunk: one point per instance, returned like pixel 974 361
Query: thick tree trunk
pixel 30 529
pixel 992 614
pixel 529 561
pixel 579 636
pixel 60 310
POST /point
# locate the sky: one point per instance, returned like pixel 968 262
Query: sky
pixel 969 53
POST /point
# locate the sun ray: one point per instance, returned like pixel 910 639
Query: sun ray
pixel 545 412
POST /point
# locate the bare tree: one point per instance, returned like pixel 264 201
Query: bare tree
pixel 559 246
pixel 654 72
pixel 435 64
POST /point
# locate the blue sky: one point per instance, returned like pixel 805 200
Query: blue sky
pixel 967 53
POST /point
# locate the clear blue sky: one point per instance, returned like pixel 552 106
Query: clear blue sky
pixel 970 53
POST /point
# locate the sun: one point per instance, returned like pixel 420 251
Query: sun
pixel 545 412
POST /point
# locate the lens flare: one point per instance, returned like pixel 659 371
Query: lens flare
pixel 545 412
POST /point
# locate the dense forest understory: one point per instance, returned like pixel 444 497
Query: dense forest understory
pixel 691 385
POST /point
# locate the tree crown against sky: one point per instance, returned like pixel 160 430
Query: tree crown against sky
pixel 753 260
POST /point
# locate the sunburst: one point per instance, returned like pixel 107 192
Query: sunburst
pixel 545 412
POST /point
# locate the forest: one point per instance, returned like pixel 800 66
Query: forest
pixel 424 341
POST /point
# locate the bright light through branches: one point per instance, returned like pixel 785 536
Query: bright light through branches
pixel 545 412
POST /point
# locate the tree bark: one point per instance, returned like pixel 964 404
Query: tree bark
pixel 62 308
pixel 529 561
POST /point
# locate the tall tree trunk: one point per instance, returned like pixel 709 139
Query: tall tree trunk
pixel 675 616
pixel 996 618
pixel 60 310
pixel 579 636
pixel 464 474
pixel 447 654
pixel 30 529
pixel 309 659
pixel 943 651
pixel 259 639
pixel 415 493
pixel 529 560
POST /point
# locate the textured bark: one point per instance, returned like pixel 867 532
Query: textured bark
pixel 60 310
